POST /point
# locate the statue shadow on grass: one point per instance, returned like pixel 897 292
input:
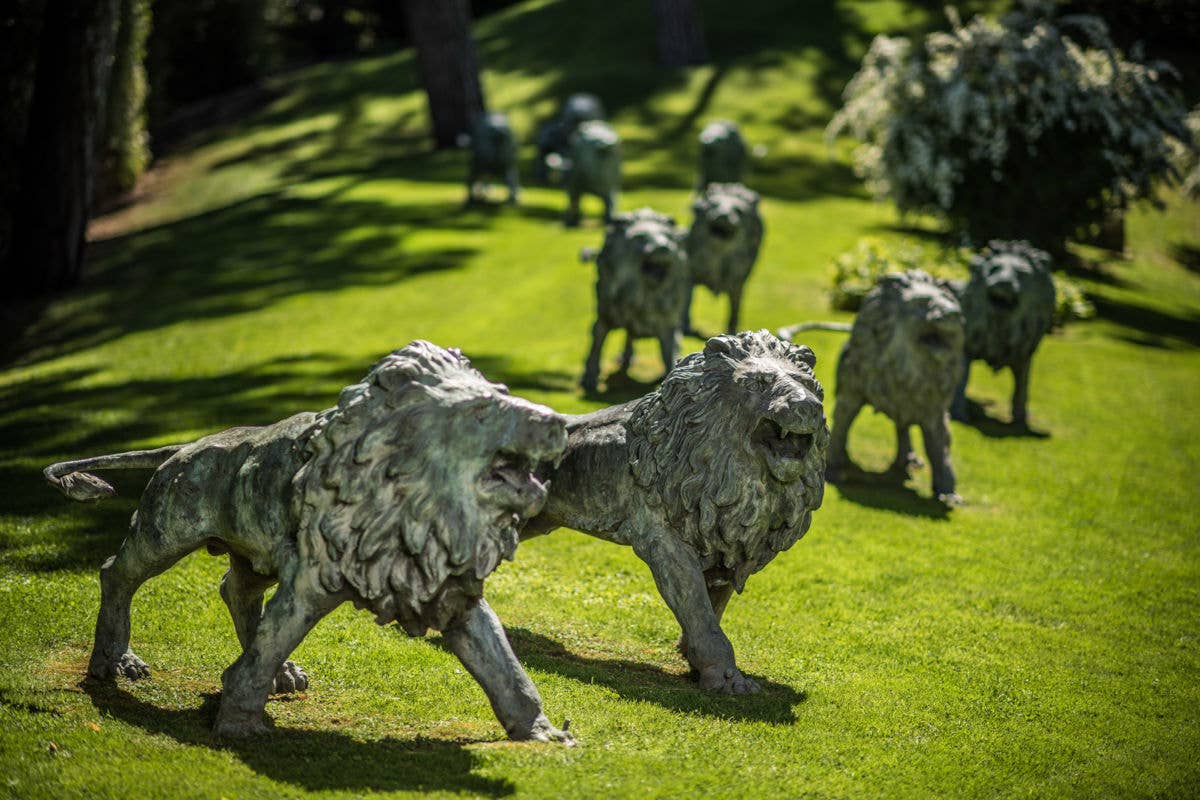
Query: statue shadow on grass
pixel 886 491
pixel 996 428
pixel 648 683
pixel 315 760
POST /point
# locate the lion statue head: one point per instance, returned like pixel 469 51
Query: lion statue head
pixel 722 153
pixel 733 443
pixel 904 354
pixel 1008 303
pixel 642 280
pixel 725 236
pixel 417 482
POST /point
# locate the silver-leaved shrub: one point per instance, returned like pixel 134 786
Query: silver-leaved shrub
pixel 1028 127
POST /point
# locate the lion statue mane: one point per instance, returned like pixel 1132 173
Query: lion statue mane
pixel 400 499
pixel 642 286
pixel 723 244
pixel 707 478
pixel 903 358
pixel 1008 303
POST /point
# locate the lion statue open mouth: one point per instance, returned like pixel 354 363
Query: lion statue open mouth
pixel 1008 304
pixel 642 286
pixel 904 358
pixel 400 499
pixel 723 244
pixel 707 478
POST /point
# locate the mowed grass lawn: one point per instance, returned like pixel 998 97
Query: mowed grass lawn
pixel 1040 641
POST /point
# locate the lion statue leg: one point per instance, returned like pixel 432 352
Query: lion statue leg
pixel 937 447
pixel 571 219
pixel 626 355
pixel 844 414
pixel 680 580
pixel 514 188
pixel 297 605
pixel 242 590
pixel 719 592
pixel 735 309
pixel 668 345
pixel 1020 371
pixel 147 551
pixel 591 369
pixel 906 459
pixel 478 639
pixel 958 406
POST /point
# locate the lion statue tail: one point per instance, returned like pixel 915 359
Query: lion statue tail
pixel 68 479
pixel 791 330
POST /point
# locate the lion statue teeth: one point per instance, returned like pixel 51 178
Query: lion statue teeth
pixel 722 154
pixel 401 499
pixel 493 155
pixel 723 244
pixel 1008 303
pixel 642 286
pixel 707 478
pixel 904 358
pixel 593 166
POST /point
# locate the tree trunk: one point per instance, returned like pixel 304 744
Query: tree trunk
pixel 126 144
pixel 441 34
pixel 52 203
pixel 20 31
pixel 679 32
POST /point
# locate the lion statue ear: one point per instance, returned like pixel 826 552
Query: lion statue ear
pixel 719 345
pixel 805 354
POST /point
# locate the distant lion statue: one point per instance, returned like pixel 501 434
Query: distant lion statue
pixel 723 244
pixel 592 166
pixel 554 136
pixel 707 478
pixel 493 155
pixel 903 358
pixel 1008 304
pixel 722 154
pixel 642 286
pixel 400 499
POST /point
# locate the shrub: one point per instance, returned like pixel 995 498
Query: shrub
pixel 1029 127
pixel 857 270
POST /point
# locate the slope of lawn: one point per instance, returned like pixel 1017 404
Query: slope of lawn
pixel 1044 640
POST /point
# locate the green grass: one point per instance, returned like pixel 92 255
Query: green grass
pixel 1041 641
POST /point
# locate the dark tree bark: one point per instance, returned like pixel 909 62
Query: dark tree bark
pixel 58 157
pixel 441 34
pixel 126 150
pixel 20 31
pixel 679 32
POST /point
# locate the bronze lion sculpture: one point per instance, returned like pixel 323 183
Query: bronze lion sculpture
pixel 493 155
pixel 722 154
pixel 642 286
pixel 723 244
pixel 554 136
pixel 592 166
pixel 400 499
pixel 707 478
pixel 904 358
pixel 1008 304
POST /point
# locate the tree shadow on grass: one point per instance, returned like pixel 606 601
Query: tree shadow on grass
pixel 1155 324
pixel 647 683
pixel 315 760
pixel 1186 255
